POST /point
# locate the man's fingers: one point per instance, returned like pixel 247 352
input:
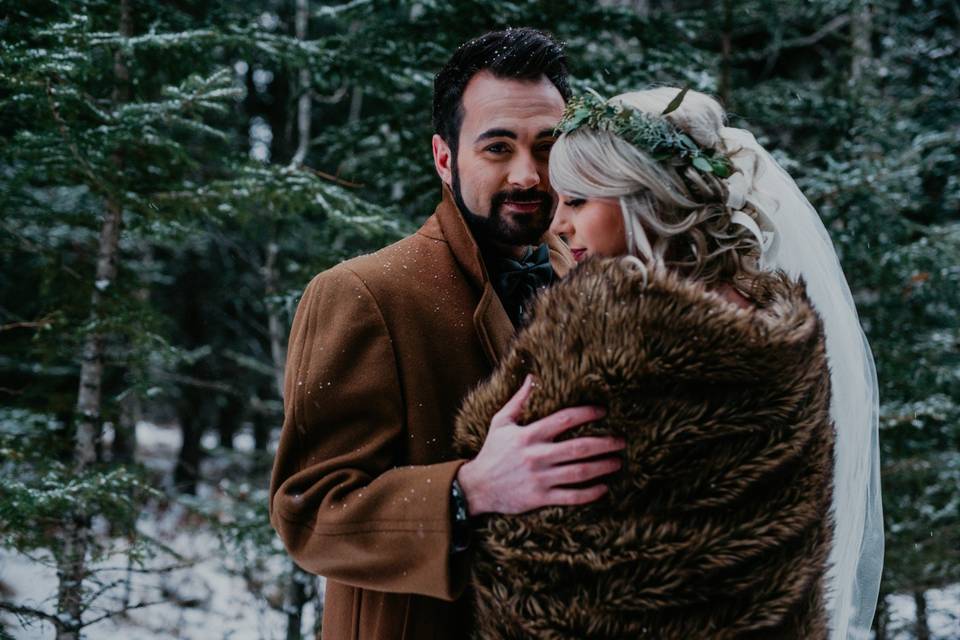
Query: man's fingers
pixel 580 448
pixel 548 428
pixel 581 472
pixel 509 413
pixel 569 497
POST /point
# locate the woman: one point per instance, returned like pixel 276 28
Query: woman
pixel 749 506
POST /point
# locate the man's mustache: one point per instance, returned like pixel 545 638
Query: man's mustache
pixel 531 195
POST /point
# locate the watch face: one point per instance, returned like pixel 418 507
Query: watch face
pixel 460 535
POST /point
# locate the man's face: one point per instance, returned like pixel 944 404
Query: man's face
pixel 500 176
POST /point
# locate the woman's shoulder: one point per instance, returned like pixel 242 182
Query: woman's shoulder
pixel 614 280
pixel 675 323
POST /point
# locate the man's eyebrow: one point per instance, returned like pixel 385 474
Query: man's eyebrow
pixel 506 133
pixel 496 133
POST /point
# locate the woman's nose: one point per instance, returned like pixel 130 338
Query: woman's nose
pixel 561 221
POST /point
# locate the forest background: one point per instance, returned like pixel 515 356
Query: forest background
pixel 173 173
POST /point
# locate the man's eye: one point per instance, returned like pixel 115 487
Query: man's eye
pixel 545 148
pixel 498 147
pixel 574 202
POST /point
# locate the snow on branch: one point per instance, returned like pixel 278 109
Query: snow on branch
pixel 336 11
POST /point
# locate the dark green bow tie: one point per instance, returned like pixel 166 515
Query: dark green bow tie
pixel 517 280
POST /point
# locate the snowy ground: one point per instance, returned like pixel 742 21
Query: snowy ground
pixel 205 601
pixel 208 601
pixel 943 614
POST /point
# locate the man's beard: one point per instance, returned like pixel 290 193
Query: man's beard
pixel 498 229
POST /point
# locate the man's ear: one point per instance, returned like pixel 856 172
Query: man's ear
pixel 443 160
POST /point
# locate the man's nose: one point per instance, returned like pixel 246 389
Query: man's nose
pixel 524 172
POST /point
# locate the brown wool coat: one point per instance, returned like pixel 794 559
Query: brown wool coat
pixel 382 350
pixel 718 525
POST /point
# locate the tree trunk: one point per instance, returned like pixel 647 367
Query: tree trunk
pixel 303 103
pixel 124 447
pixel 356 105
pixel 65 431
pixel 71 572
pixel 264 421
pixel 274 324
pixel 187 471
pixel 921 627
pixel 91 367
pixel 298 594
pixel 861 31
pixel 71 563
pixel 320 588
pixel 881 619
pixel 228 421
pixel 356 95
pixel 726 46
pixel 124 443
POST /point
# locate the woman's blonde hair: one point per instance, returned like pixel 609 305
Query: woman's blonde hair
pixel 687 212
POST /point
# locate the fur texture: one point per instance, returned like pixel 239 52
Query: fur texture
pixel 718 526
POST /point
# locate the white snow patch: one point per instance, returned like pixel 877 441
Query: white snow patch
pixel 943 614
pixel 243 441
pixel 209 440
pixel 158 439
pixel 209 599
pixel 205 601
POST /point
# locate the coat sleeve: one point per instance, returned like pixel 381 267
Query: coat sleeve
pixel 339 502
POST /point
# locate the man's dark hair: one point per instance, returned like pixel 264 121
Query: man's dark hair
pixel 518 54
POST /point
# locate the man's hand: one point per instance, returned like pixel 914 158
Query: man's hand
pixel 521 468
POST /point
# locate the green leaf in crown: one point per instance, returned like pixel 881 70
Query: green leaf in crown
pixel 653 134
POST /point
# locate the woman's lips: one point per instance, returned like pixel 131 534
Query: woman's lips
pixel 578 254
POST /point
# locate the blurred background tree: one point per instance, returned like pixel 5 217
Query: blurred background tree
pixel 172 174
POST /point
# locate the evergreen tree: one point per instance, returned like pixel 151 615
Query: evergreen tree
pixel 116 118
pixel 861 121
pixel 172 175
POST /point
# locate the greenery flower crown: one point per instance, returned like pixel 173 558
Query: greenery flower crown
pixel 650 133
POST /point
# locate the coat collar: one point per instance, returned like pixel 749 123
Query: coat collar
pixel 490 320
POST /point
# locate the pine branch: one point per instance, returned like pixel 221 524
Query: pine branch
pixel 197 383
pixel 332 178
pixel 21 611
pixel 336 11
pixel 93 181
pixel 123 610
pixel 29 245
pixel 249 363
pixel 92 597
pixel 42 323
pixel 837 23
pixel 149 570
pixel 288 49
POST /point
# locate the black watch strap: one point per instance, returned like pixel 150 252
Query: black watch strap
pixel 461 518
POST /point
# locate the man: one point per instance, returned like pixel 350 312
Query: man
pixel 365 489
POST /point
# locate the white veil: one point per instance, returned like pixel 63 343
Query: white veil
pixel 796 241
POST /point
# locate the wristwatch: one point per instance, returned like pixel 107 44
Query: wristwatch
pixel 461 518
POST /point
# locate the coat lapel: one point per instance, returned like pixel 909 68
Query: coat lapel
pixel 490 319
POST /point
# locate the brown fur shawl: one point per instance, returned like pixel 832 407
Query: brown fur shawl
pixel 718 525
